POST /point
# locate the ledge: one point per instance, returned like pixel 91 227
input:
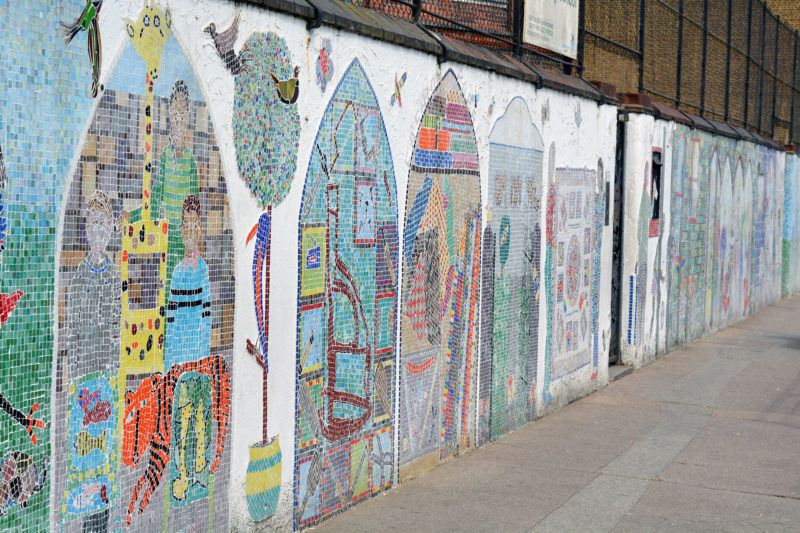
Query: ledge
pixel 640 103
pixel 377 25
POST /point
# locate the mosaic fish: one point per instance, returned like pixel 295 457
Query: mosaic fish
pixel 85 443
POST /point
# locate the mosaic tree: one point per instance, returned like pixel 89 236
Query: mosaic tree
pixel 266 129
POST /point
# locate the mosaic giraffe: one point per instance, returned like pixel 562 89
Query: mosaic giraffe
pixel 142 329
pixel 149 35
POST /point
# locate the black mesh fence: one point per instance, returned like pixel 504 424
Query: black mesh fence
pixel 728 60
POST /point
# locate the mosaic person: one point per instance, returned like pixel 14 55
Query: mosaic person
pixel 189 308
pixel 94 302
pixel 176 177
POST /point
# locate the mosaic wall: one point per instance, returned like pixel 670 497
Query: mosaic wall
pixel 790 281
pixel 145 304
pixel 347 290
pixel 723 254
pixel 441 273
pixel 511 275
pixel 574 220
pixel 642 284
pixel 38 135
pixel 117 289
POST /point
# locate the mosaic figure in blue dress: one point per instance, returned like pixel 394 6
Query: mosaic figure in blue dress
pixel 189 308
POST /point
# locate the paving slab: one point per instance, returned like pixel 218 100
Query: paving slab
pixel 676 508
pixel 705 438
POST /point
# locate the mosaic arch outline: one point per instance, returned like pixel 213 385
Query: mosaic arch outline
pixel 135 461
pixel 441 273
pixel 347 292
pixel 511 274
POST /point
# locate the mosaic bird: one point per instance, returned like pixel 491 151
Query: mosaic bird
pixel 288 90
pixel 87 21
pixel 224 41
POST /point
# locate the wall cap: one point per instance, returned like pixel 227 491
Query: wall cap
pixel 381 26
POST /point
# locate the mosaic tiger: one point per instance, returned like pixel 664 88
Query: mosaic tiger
pixel 148 422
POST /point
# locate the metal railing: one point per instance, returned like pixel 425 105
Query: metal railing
pixel 495 24
pixel 727 60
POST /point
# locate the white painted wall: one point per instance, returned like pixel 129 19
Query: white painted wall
pixel 644 133
pixel 582 131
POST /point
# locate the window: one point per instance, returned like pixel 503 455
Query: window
pixel 655 184
pixel 655 192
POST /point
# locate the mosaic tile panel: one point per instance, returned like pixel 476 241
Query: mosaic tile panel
pixel 441 273
pixel 511 256
pixel 767 203
pixel 145 304
pixel 637 289
pixel 726 203
pixel 45 93
pixel 573 223
pixel 687 255
pixel 347 289
pixel 791 227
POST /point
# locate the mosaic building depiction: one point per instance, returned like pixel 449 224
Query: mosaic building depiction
pixel 511 275
pixel 441 279
pixel 347 290
pixel 146 303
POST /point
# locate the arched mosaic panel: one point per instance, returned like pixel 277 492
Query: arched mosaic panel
pixel 145 304
pixel 347 289
pixel 510 300
pixel 441 269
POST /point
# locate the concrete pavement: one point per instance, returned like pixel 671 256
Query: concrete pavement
pixel 707 438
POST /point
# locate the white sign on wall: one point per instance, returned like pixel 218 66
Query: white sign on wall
pixel 552 24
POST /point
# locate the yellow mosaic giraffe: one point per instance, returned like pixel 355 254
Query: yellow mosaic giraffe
pixel 144 243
